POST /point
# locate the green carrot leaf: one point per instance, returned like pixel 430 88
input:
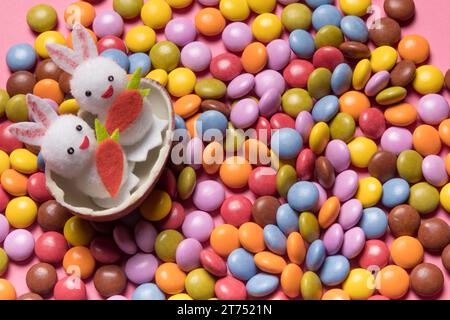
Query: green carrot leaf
pixel 100 131
pixel 135 80
pixel 116 135
pixel 144 92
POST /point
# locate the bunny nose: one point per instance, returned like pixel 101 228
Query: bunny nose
pixel 108 93
pixel 85 144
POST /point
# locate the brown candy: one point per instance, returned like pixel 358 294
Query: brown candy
pixel 216 105
pixel 47 69
pixel 404 220
pixel 383 165
pixel 324 172
pixel 103 227
pixel 30 296
pixel 52 216
pixel 447 79
pixel 110 280
pixel 385 32
pixel 264 210
pixel 355 50
pixel 403 73
pixel 41 278
pixel 400 10
pixel 20 82
pixel 64 82
pixel 445 257
pixel 427 280
pixel 434 234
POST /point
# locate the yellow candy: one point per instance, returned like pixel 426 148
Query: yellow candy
pixel 23 161
pixel 157 206
pixel 78 232
pixel 234 10
pixel 69 106
pixel 383 58
pixel 369 191
pixel 361 150
pixel 361 74
pixel 319 137
pixel 21 212
pixel 140 39
pixel 355 7
pixel 156 14
pixel 4 161
pixel 47 37
pixel 181 82
pixel 179 4
pixel 266 27
pixel 429 79
pixel 445 197
pixel 262 6
pixel 158 75
pixel 180 296
pixel 277 163
pixel 360 284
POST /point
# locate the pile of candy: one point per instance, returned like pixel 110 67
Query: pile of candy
pixel 326 109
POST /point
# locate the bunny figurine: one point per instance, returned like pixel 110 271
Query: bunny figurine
pixel 99 83
pixel 70 149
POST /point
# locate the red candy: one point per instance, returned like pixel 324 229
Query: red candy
pixel 213 263
pixel 263 130
pixel 168 182
pixel 236 210
pixel 375 253
pixel 111 42
pixel 372 123
pixel 328 57
pixel 230 288
pixel 105 250
pixel 51 247
pixel 174 219
pixel 225 66
pixel 378 297
pixel 4 199
pixel 297 73
pixel 8 142
pixel 305 164
pixel 70 288
pixel 262 181
pixel 281 120
pixel 37 189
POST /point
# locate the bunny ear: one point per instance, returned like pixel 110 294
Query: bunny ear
pixel 41 111
pixel 83 43
pixel 28 132
pixel 64 57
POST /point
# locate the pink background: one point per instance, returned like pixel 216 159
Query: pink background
pixel 431 21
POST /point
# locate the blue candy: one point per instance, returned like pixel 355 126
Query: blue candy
pixel 303 196
pixel 139 60
pixel 41 162
pixel 316 3
pixel 325 109
pixel 21 57
pixel 286 143
pixel 341 79
pixel 211 124
pixel 374 222
pixel 354 28
pixel 326 15
pixel 316 255
pixel 179 122
pixel 334 270
pixel 395 192
pixel 118 57
pixel 241 265
pixel 287 219
pixel 262 285
pixel 275 239
pixel 148 291
pixel 302 43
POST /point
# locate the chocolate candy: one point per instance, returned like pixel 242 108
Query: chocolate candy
pixel 110 280
pixel 20 82
pixel 447 79
pixel 64 82
pixel 400 10
pixel 52 216
pixel 427 280
pixel 210 104
pixel 264 210
pixel 434 234
pixel 404 220
pixel 354 50
pixel 383 165
pixel 47 69
pixel 385 32
pixel 30 296
pixel 446 258
pixel 324 172
pixel 403 73
pixel 41 278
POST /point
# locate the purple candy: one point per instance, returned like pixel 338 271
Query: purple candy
pixel 270 102
pixel 354 241
pixel 396 140
pixel 244 113
pixel 322 197
pixel 117 297
pixel 198 225
pixel 433 108
pixel 241 85
pixel 19 245
pixel 346 185
pixel 108 23
pixel 141 268
pixel 180 31
pixel 350 214
pixel 188 254
pixel 278 54
pixel 378 82
pixel 194 153
pixel 196 56
pixel 236 36
pixel 208 195
pixel 267 80
pixel 303 124
pixel 124 239
pixel 333 239
pixel 338 154
pixel 4 227
pixel 145 235
pixel 433 169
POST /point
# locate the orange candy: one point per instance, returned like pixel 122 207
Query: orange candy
pixel 329 212
pixel 254 57
pixel 81 11
pixel 335 294
pixel 49 89
pixel 406 252
pixel 426 140
pixel 295 247
pixel 170 278
pixel 210 22
pixel 251 237
pixel 401 115
pixel 78 261
pixel 235 171
pixel 69 38
pixel 290 280
pixel 392 282
pixel 256 151
pixel 414 47
pixel 190 124
pixel 353 103
pixel 187 106
pixel 14 182
pixel 212 157
pixel 7 290
pixel 444 131
pixel 269 262
pixel 224 239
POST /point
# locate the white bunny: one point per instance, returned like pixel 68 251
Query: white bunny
pixel 69 148
pixel 97 82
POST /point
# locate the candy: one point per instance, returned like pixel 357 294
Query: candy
pixel 78 232
pixel 210 88
pixel 409 166
pixel 21 57
pixel 235 171
pixel 128 9
pixel 254 58
pixel 310 286
pixel 342 127
pixel 401 115
pixel 427 280
pixel 45 38
pixel 404 220
pixel 79 262
pixel 316 255
pixel 141 268
pixel 188 254
pixel 375 253
pixel 16 109
pixel 229 288
pixel 356 284
pixel 278 54
pixel 186 183
pixel 241 85
pixel 394 282
pixel 445 257
pixel 236 36
pixel 434 234
pixel 433 109
pixel 109 280
pixel 145 235
pixel 302 43
pixel 19 245
pixel 329 35
pixel 52 216
pixel 319 137
pixel 396 140
pixel 21 212
pixel 197 225
pixel 167 241
pixel 326 15
pixel 50 247
pixel 346 185
pixel 209 22
pixel 429 79
pixel 334 270
pixel 156 14
pixel 108 23
pixel 156 206
pixel 262 285
pixel 105 250
pixel 403 73
pixel 139 60
pixel 266 27
pixel 170 278
pixel 406 252
pixel 341 79
pixel 70 288
pixel 296 16
pixel 423 197
pixel 414 48
pixel 224 239
pixel 401 10
pixel 41 278
pixel 433 168
pixel 140 39
pixel 354 29
pixel 319 83
pixel 180 31
pixel 147 291
pixel 309 226
pixel 7 290
pixel 213 263
pixel 385 32
pixel 41 18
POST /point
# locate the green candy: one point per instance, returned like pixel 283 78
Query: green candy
pixel 286 177
pixel 296 16
pixel 42 18
pixel 391 95
pixel 319 83
pixel 423 197
pixel 342 127
pixel 311 286
pixel 4 97
pixel 128 9
pixel 409 166
pixel 329 36
pixel 200 284
pixel 186 183
pixel 165 55
pixel 17 109
pixel 210 88
pixel 296 100
pixel 309 226
pixel 166 244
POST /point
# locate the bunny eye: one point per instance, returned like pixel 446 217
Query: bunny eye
pixel 79 128
pixel 70 151
pixel 110 78
pixel 88 93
